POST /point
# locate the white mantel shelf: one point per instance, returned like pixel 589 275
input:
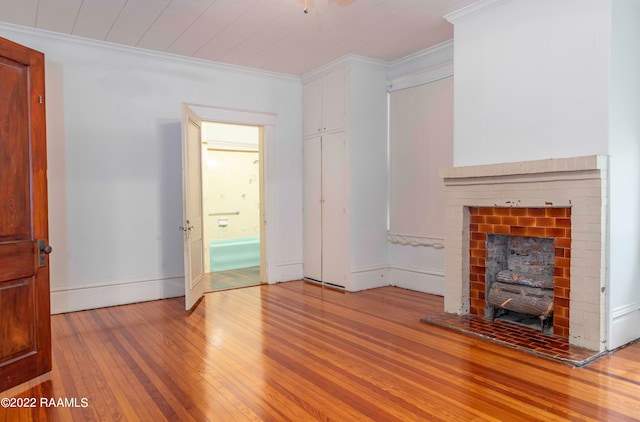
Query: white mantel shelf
pixel 551 165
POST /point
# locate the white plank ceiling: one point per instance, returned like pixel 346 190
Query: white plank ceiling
pixel 273 35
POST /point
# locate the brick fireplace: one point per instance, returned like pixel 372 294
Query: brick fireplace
pixel 564 199
pixel 554 223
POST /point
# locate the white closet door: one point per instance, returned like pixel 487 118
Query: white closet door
pixel 333 101
pixel 335 231
pixel 312 182
pixel 312 108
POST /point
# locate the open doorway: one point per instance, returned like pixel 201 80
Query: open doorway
pixel 232 186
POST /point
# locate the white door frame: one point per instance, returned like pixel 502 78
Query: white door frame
pixel 267 122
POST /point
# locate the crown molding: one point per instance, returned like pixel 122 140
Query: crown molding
pixel 343 61
pixel 445 47
pixel 472 10
pixel 168 57
pixel 422 67
pixel 419 65
pixel 422 77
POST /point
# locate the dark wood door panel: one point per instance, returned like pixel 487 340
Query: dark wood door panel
pixel 16 328
pixel 16 260
pixel 15 213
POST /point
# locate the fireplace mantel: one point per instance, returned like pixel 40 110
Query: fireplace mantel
pixel 579 183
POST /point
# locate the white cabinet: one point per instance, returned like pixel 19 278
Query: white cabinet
pixel 344 170
pixel 323 104
pixel 326 245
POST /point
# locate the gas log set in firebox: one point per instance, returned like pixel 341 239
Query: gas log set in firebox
pixel 520 276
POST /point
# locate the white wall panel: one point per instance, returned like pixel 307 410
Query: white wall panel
pixel 531 81
pixel 624 147
pixel 368 170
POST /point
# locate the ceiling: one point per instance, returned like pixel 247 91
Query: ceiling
pixel 272 35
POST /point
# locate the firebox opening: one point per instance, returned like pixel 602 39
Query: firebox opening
pixel 519 274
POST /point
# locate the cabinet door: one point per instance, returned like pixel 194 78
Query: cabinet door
pixel 312 108
pixel 335 230
pixel 333 101
pixel 312 212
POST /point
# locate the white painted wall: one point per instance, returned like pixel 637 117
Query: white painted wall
pixel 624 150
pixel 420 267
pixel 367 148
pixel 532 81
pixel 113 122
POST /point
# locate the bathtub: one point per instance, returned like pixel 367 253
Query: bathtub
pixel 231 254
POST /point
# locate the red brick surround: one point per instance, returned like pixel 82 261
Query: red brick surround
pixel 541 222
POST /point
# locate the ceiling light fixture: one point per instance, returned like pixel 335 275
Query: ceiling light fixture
pixel 305 7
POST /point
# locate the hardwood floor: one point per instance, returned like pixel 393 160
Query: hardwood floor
pixel 232 279
pixel 295 351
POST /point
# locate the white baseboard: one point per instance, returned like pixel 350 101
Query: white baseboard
pixel 421 279
pixel 369 277
pixel 70 298
pixel 287 271
pixel 625 325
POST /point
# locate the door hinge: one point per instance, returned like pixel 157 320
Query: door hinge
pixel 187 229
pixel 40 99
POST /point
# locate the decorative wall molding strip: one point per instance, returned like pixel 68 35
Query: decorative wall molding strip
pixel 410 240
pixel 473 10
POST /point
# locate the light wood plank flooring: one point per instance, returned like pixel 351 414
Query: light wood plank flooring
pixel 232 279
pixel 297 352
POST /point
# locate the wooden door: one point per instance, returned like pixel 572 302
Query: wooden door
pixel 192 207
pixel 312 209
pixel 25 328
